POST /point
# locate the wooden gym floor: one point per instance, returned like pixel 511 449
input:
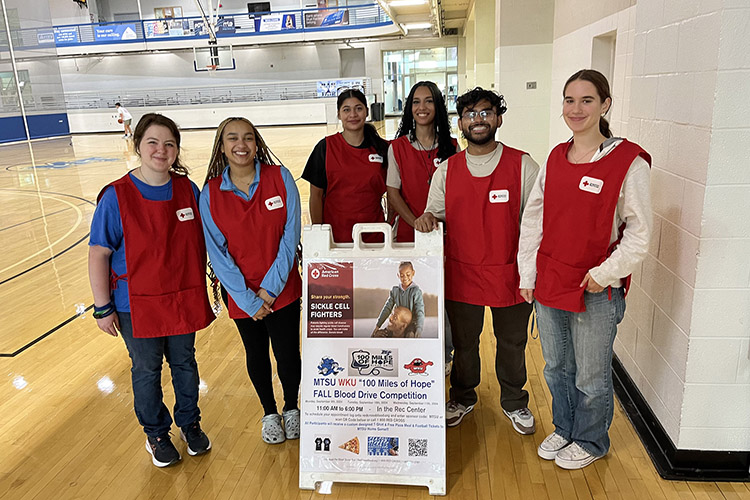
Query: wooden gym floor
pixel 68 428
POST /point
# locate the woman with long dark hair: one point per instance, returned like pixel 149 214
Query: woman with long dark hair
pixel 347 170
pixel 251 219
pixel 422 142
pixel 586 227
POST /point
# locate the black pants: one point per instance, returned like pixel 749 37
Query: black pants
pixel 509 325
pixel 282 328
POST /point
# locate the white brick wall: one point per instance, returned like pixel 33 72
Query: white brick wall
pixel 699 279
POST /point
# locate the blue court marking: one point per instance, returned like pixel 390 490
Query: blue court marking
pixel 63 164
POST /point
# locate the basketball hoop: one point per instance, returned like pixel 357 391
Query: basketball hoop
pixel 211 68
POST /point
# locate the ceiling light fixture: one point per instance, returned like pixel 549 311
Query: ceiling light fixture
pixel 406 3
pixel 417 26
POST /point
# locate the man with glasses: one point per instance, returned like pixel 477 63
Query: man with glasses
pixel 480 194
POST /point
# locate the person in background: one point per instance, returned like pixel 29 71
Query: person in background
pixel 147 265
pixel 586 227
pixel 124 117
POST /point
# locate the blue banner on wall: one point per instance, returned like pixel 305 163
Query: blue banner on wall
pixel 115 33
pixel 64 36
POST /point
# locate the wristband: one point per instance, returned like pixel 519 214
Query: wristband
pixel 103 312
pixel 103 308
pixel 273 295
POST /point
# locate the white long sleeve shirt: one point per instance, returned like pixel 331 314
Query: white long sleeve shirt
pixel 633 208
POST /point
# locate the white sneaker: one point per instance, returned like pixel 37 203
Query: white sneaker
pixel 551 445
pixel 574 457
pixel 523 420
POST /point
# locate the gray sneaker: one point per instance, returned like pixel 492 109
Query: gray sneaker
pixel 455 412
pixel 523 420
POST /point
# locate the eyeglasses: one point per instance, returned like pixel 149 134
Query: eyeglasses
pixel 482 115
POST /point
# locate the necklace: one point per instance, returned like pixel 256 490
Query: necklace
pixel 584 155
pixel 480 164
pixel 427 164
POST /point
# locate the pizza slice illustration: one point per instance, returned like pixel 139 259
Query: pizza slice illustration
pixel 351 445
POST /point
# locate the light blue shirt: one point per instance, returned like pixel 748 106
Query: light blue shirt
pixel 222 262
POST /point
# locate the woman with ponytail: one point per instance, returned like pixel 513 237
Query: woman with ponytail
pixel 586 227
pixel 347 171
pixel 251 218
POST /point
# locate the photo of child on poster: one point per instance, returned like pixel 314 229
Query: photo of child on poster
pixel 396 298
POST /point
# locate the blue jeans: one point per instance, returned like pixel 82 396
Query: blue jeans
pixel 577 350
pixel 147 355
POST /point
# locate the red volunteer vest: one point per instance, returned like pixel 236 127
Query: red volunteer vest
pixel 165 255
pixel 416 168
pixel 482 219
pixel 579 208
pixel 253 230
pixel 356 183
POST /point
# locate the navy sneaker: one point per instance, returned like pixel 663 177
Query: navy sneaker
pixel 197 441
pixel 162 450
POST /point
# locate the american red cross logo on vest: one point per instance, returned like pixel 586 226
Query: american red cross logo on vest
pixel 274 203
pixel 591 184
pixel 185 214
pixel 499 196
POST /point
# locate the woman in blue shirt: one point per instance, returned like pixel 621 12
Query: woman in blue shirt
pixel 251 219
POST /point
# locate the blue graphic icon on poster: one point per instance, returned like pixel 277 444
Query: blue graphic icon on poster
pixel 329 366
pixel 382 446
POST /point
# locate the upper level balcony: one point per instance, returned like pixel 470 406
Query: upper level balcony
pixel 286 26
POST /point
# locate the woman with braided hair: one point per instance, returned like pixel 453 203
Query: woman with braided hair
pixel 251 219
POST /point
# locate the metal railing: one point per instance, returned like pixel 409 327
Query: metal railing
pixel 228 25
pixel 215 94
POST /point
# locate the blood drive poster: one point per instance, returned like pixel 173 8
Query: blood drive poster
pixel 373 394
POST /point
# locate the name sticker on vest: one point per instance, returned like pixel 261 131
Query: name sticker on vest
pixel 376 158
pixel 185 214
pixel 591 185
pixel 274 203
pixel 499 196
